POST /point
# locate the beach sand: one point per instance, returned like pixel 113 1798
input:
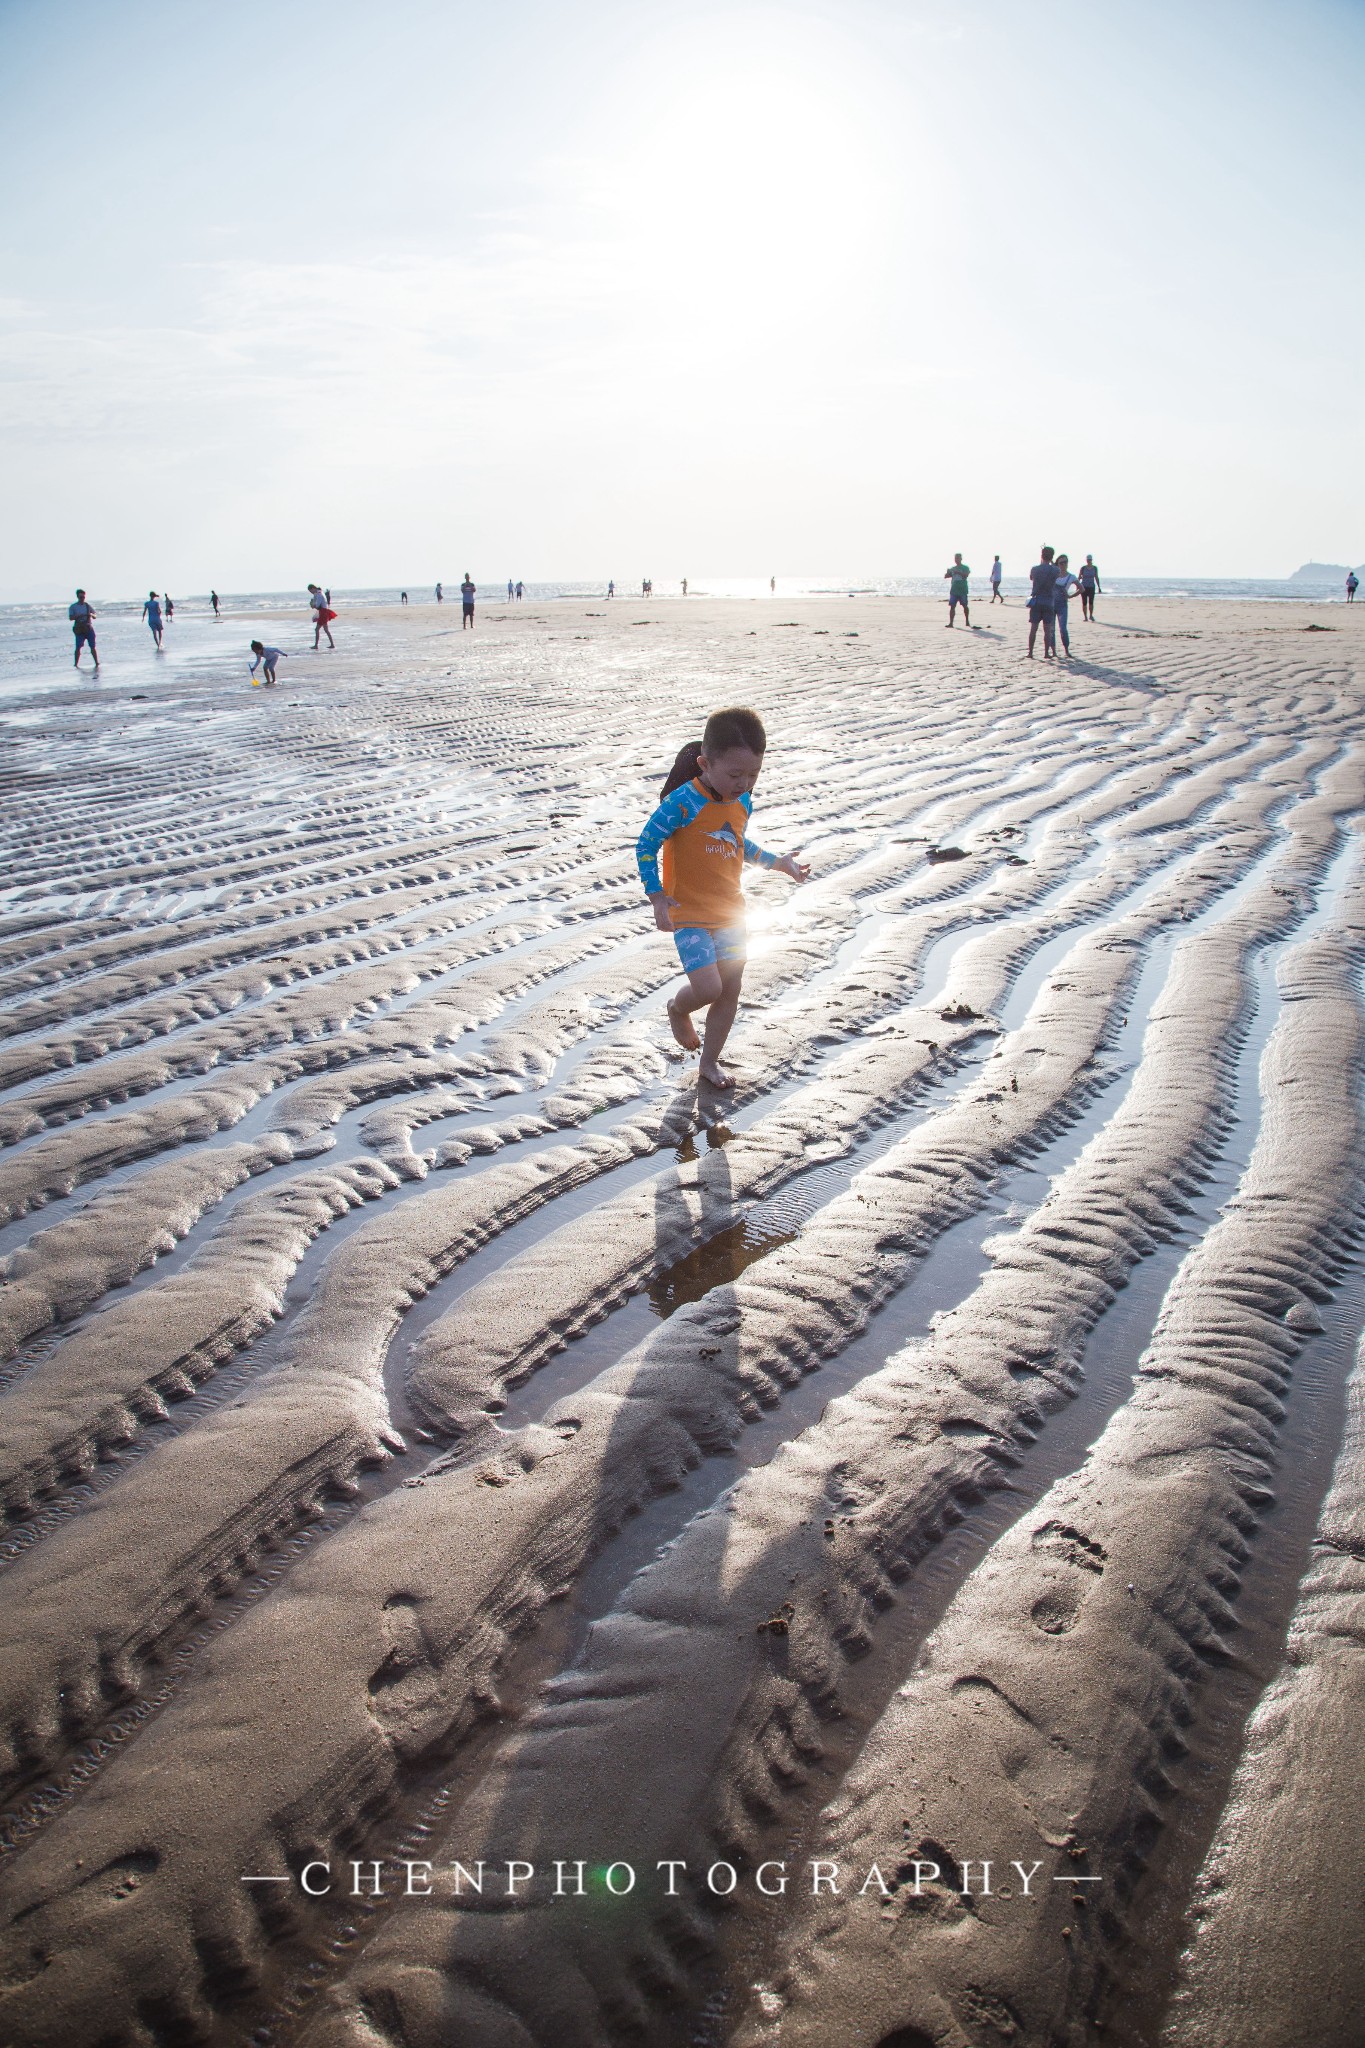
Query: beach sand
pixel 433 1429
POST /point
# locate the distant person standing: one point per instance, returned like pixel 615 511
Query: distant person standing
pixel 611 586
pixel 957 592
pixel 1061 592
pixel 467 600
pixel 82 617
pixel 772 586
pixel 323 616
pixel 170 609
pixel 1088 577
pixel 151 612
pixel 511 590
pixel 996 574
pixel 684 586
pixel 440 595
pixel 1352 586
pixel 402 597
pixel 213 600
pixel 520 593
pixel 1041 605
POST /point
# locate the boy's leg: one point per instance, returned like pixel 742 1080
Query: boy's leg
pixel 719 1019
pixel 703 987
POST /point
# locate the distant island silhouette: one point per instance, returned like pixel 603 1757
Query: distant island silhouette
pixel 1321 572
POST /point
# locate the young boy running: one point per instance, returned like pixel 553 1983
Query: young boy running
pixel 701 831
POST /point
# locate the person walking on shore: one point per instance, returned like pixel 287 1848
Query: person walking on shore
pixel 996 573
pixel 1061 593
pixel 402 597
pixel 611 586
pixel 151 612
pixel 440 595
pixel 511 590
pixel 467 601
pixel 701 831
pixel 1088 576
pixel 1352 586
pixel 1041 610
pixel 957 592
pixel 684 581
pixel 82 617
pixel 323 616
pixel 520 593
pixel 213 600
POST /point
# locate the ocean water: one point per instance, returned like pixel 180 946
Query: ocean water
pixel 35 639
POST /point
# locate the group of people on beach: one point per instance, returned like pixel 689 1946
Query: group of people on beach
pixel 1051 588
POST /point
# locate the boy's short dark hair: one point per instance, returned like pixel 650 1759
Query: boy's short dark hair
pixel 735 727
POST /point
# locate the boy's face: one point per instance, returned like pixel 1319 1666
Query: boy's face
pixel 732 773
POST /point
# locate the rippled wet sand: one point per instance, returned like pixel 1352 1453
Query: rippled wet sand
pixel 434 1427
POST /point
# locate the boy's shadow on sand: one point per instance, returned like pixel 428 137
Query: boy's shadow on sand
pixel 1118 678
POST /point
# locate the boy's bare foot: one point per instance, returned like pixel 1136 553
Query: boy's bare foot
pixel 683 1029
pixel 713 1073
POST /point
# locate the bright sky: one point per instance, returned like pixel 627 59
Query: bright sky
pixel 375 290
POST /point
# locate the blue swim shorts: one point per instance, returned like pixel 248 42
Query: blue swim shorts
pixel 699 947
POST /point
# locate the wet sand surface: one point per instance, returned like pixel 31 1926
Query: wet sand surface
pixel 434 1428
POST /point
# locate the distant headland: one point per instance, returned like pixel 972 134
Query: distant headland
pixel 1321 572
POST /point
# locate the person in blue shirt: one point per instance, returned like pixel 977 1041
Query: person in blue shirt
pixel 266 658
pixel 1088 576
pixel 1042 604
pixel 1061 594
pixel 151 612
pixel 82 617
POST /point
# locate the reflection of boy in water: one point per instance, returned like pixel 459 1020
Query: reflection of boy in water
pixel 701 831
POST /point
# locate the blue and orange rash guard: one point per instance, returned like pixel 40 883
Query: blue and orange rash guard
pixel 704 846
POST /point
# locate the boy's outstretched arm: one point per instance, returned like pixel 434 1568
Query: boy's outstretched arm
pixel 784 863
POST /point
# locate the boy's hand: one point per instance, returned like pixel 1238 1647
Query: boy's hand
pixel 790 865
pixel 663 907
